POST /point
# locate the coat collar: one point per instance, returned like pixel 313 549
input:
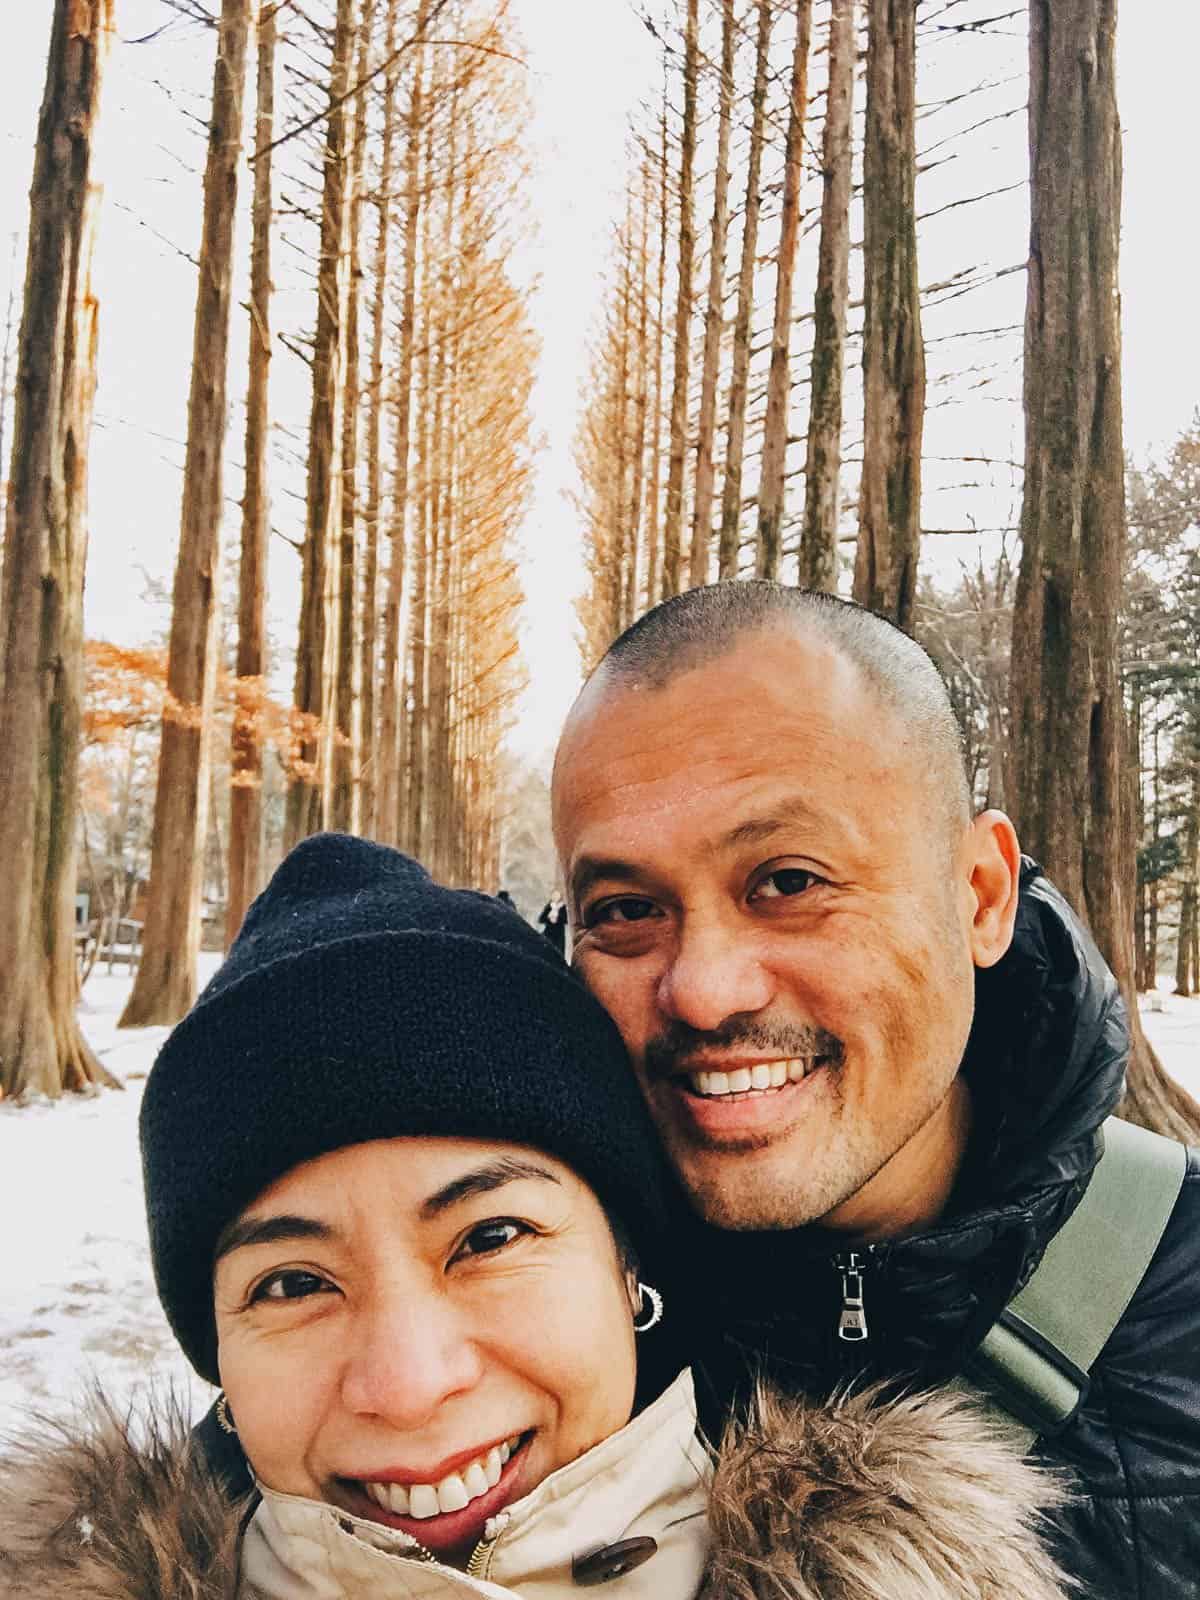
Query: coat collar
pixel 649 1479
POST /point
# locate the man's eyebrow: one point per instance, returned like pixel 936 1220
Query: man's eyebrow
pixel 269 1230
pixel 482 1180
pixel 591 869
pixel 785 815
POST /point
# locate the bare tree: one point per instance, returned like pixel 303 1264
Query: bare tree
pixel 889 535
pixel 775 432
pixel 165 984
pixel 245 799
pixel 731 493
pixel 316 648
pixel 714 315
pixel 1069 740
pixel 672 575
pixel 41 602
pixel 823 463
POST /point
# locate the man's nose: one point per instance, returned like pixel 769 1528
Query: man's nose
pixel 409 1354
pixel 716 972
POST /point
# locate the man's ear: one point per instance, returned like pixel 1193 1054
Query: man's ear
pixel 995 876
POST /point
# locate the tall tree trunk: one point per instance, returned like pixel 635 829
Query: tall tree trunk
pixel 889 533
pixel 245 798
pixel 41 602
pixel 345 790
pixel 369 635
pixel 654 524
pixel 774 458
pixel 391 687
pixel 731 492
pixel 1067 712
pixel 672 574
pixel 823 463
pixel 165 984
pixel 317 643
pixel 714 315
pixel 640 403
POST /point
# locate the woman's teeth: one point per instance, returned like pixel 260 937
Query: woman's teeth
pixel 765 1075
pixel 455 1491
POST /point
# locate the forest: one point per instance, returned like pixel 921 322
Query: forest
pixel 857 327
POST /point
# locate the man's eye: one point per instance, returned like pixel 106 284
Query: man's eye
pixel 629 908
pixel 290 1284
pixel 489 1237
pixel 784 881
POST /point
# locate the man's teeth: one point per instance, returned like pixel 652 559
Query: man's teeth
pixel 764 1075
pixel 455 1491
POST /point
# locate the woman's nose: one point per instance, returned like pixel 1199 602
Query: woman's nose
pixel 409 1354
pixel 715 972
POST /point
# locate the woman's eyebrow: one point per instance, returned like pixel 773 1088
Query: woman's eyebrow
pixel 482 1180
pixel 269 1230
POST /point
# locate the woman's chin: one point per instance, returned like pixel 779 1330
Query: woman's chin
pixel 452 1535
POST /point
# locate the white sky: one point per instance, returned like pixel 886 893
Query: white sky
pixel 589 61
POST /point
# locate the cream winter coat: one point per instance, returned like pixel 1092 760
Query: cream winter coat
pixel 912 1499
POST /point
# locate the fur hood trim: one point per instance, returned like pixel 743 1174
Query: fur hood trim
pixel 115 1508
pixel 918 1498
pixel 866 1498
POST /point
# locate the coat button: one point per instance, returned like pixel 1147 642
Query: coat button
pixel 612 1561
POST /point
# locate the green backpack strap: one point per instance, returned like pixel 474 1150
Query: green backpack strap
pixel 1034 1361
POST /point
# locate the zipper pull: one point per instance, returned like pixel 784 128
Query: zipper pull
pixel 852 1324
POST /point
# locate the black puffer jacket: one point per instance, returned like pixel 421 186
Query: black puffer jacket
pixel 1046 1063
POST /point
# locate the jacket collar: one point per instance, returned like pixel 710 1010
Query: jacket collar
pixel 649 1479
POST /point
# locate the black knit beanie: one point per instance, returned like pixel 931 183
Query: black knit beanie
pixel 362 1001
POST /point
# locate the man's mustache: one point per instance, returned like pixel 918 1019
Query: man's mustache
pixel 672 1051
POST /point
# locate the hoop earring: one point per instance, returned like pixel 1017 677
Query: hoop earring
pixel 654 1300
pixel 224 1418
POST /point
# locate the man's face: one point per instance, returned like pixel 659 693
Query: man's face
pixel 766 899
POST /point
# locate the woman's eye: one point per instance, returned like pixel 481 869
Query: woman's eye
pixel 292 1284
pixel 629 908
pixel 784 881
pixel 489 1237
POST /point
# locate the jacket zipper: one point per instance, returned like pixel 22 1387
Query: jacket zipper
pixel 852 1321
pixel 481 1556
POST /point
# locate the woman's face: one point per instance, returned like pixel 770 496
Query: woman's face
pixel 418 1331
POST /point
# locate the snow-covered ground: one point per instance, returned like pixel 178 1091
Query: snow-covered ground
pixel 77 1301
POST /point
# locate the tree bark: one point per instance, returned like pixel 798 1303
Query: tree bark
pixel 245 798
pixel 731 493
pixel 653 521
pixel 1067 712
pixel 889 533
pixel 641 396
pixel 391 687
pixel 165 984
pixel 345 788
pixel 42 1050
pixel 823 464
pixel 316 647
pixel 774 457
pixel 369 636
pixel 714 315
pixel 672 574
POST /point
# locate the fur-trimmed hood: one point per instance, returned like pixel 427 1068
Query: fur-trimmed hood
pixel 910 1499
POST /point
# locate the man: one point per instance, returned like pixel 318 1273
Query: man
pixel 877 1045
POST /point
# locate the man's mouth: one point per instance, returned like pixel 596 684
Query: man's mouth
pixel 763 1078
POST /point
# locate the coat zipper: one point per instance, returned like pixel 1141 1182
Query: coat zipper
pixel 852 1321
pixel 481 1556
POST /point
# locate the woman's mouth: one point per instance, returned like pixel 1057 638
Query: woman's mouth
pixel 452 1510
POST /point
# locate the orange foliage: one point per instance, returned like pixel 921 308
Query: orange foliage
pixel 126 688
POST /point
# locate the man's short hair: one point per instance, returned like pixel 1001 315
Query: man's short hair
pixel 696 627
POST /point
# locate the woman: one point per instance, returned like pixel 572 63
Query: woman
pixel 398 1181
